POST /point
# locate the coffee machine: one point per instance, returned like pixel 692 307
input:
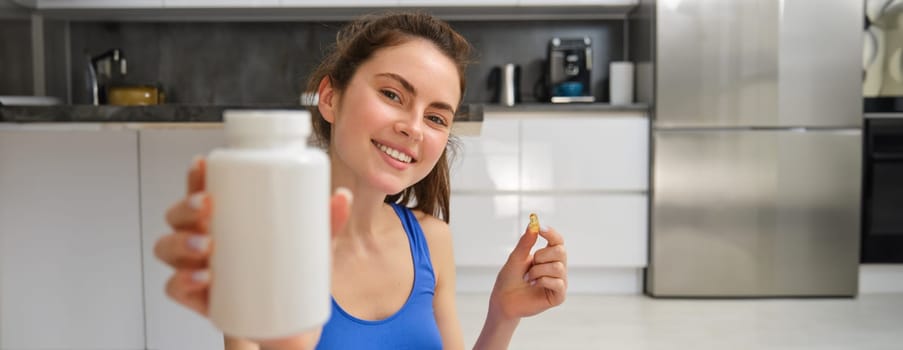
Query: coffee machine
pixel 570 63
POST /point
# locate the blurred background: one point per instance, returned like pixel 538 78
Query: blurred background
pixel 726 173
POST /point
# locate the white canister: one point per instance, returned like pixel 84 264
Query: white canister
pixel 620 80
pixel 270 265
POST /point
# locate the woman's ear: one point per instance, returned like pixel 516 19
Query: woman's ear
pixel 327 99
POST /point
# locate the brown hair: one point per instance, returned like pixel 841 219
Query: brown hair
pixel 355 44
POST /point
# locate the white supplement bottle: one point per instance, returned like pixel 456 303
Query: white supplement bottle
pixel 270 265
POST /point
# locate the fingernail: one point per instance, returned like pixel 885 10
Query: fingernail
pixel 526 277
pixel 200 276
pixel 199 243
pixel 196 201
pixel 544 228
pixel 532 283
pixel 196 162
pixel 345 192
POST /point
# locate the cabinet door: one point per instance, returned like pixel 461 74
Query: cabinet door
pixel 166 156
pixel 221 3
pixel 485 228
pixel 575 153
pixel 70 248
pixel 756 212
pixel 339 3
pixel 489 161
pixel 98 4
pixel 577 2
pixel 458 3
pixel 608 230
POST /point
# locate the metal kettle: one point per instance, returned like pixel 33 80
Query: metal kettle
pixel 101 74
pixel 505 82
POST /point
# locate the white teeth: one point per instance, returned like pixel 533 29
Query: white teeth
pixel 394 153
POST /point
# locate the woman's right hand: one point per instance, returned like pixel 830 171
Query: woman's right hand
pixel 187 250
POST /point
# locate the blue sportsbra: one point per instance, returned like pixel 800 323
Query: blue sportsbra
pixel 411 327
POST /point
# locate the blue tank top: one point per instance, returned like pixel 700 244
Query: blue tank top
pixel 411 327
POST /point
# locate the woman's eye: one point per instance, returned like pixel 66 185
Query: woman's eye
pixel 437 119
pixel 391 95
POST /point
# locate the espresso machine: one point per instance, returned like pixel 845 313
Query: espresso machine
pixel 570 63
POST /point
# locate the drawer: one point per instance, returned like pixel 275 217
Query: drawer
pixel 599 230
pixel 489 161
pixel 585 153
pixel 485 228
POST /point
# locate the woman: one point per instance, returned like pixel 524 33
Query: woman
pixel 387 97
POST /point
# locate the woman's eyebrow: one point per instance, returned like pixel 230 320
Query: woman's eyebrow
pixel 404 83
pixel 410 88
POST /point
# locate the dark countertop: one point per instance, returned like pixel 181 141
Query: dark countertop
pixel 888 115
pixel 174 113
pixel 566 107
pixel 171 113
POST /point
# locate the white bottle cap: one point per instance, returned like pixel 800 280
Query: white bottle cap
pixel 267 123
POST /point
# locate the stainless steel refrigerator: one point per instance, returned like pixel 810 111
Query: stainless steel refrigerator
pixel 757 148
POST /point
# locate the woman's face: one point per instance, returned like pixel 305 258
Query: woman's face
pixel 391 123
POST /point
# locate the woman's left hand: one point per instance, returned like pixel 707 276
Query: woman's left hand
pixel 531 283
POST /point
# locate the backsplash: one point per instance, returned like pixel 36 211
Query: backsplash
pixel 246 63
pixel 206 63
pixel 15 57
pixel 526 43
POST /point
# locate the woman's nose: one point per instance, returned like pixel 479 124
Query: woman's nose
pixel 413 129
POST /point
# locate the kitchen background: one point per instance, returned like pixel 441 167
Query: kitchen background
pixel 268 63
pixel 688 191
pixel 241 63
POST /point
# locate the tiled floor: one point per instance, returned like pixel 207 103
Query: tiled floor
pixel 873 321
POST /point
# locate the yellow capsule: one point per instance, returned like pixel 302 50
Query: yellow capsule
pixel 534 223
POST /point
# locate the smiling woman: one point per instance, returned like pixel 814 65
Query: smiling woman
pixel 393 102
pixel 359 41
pixel 388 93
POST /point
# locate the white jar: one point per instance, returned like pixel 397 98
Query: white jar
pixel 270 265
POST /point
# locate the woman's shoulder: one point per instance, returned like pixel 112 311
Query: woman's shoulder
pixel 438 237
pixel 433 228
pixel 429 222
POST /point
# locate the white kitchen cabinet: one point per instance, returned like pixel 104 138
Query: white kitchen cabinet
pixel 489 161
pixel 70 245
pixel 607 230
pixel 166 155
pixel 585 153
pixel 339 3
pixel 485 228
pixel 458 3
pixel 220 3
pixel 98 4
pixel 577 2
pixel 583 173
pixel 138 4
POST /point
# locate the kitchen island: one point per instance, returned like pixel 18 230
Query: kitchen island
pixel 85 190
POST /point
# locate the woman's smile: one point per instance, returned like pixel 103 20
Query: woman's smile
pixel 399 159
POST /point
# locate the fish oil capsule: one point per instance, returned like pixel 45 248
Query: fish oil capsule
pixel 534 223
